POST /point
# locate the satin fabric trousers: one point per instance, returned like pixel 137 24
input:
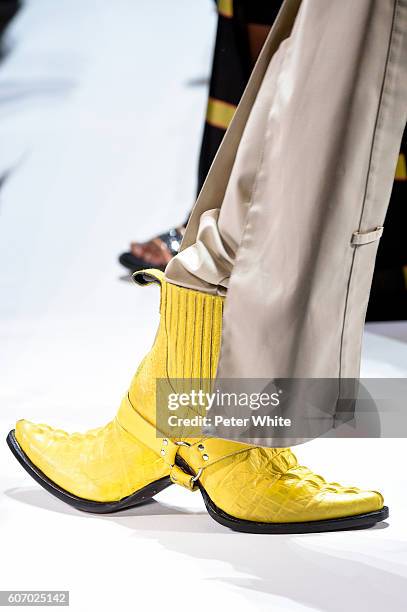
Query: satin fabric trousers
pixel 288 221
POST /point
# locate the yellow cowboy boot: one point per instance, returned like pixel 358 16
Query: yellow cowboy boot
pixel 110 468
pixel 244 487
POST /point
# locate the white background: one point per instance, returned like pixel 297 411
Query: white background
pixel 100 124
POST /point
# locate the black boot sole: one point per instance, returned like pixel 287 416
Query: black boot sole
pixel 358 521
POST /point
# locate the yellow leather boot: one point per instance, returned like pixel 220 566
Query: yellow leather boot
pixel 247 488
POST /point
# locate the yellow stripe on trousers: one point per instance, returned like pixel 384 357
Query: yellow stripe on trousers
pixel 401 170
pixel 225 8
pixel 219 114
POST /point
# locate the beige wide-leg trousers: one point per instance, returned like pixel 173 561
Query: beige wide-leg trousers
pixel 288 221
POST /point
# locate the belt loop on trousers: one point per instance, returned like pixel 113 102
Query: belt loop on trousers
pixel 359 238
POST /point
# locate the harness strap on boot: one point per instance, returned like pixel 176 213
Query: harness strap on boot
pixel 204 451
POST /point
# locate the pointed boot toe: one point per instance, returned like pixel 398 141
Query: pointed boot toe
pixel 102 470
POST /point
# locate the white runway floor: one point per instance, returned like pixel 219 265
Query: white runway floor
pixel 101 106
